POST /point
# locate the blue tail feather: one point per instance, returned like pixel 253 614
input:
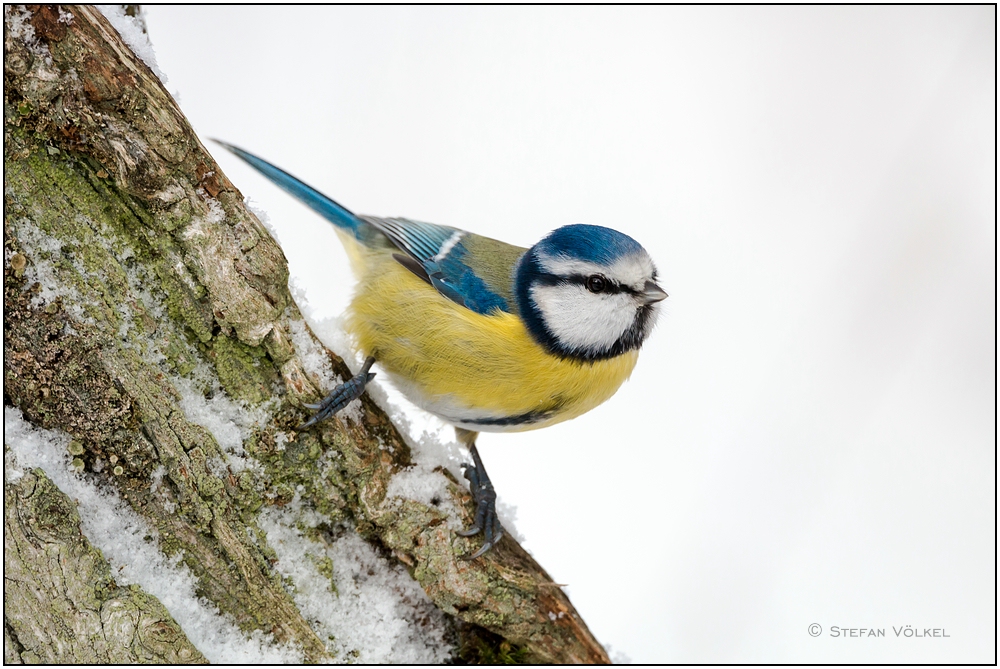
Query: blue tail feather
pixel 321 204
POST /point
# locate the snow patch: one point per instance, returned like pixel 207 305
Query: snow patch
pixel 201 226
pixel 427 487
pixel 314 360
pixel 43 251
pixel 231 422
pixel 132 32
pixel 156 479
pixel 216 214
pixel 365 607
pixel 17 19
pixel 18 22
pixel 262 216
pixel 156 488
pixel 130 545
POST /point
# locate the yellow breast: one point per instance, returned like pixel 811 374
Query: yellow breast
pixel 483 373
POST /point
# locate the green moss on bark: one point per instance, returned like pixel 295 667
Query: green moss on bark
pixel 150 270
pixel 245 372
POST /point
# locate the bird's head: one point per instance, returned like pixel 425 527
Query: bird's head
pixel 587 292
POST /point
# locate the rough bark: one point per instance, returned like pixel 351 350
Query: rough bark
pixel 161 271
pixel 86 618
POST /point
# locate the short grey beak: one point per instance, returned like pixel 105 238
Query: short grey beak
pixel 652 293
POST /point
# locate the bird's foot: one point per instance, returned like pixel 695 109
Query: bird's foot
pixel 341 396
pixel 486 520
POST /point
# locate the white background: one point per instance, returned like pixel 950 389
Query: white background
pixel 809 434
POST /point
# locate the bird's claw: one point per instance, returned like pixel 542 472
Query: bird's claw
pixel 486 520
pixel 340 396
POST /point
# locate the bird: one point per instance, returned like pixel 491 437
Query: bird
pixel 488 336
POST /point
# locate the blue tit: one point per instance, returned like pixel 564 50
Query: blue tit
pixel 486 335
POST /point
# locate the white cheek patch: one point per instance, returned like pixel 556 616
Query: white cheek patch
pixel 583 320
pixel 631 270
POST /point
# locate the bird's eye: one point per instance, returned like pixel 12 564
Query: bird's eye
pixel 596 283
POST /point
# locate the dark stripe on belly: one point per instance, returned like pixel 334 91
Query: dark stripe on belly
pixel 520 419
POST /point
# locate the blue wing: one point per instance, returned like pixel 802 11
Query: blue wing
pixel 441 252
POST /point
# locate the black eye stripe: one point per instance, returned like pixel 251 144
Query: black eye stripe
pixel 610 286
pixel 548 280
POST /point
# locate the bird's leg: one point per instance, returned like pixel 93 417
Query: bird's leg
pixel 486 520
pixel 341 396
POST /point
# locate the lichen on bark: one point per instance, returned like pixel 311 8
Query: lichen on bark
pixel 86 618
pixel 138 290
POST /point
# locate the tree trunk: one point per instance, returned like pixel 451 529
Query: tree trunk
pixel 148 326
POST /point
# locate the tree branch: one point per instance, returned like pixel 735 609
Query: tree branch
pixel 136 282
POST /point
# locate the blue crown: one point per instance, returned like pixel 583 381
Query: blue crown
pixel 592 243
